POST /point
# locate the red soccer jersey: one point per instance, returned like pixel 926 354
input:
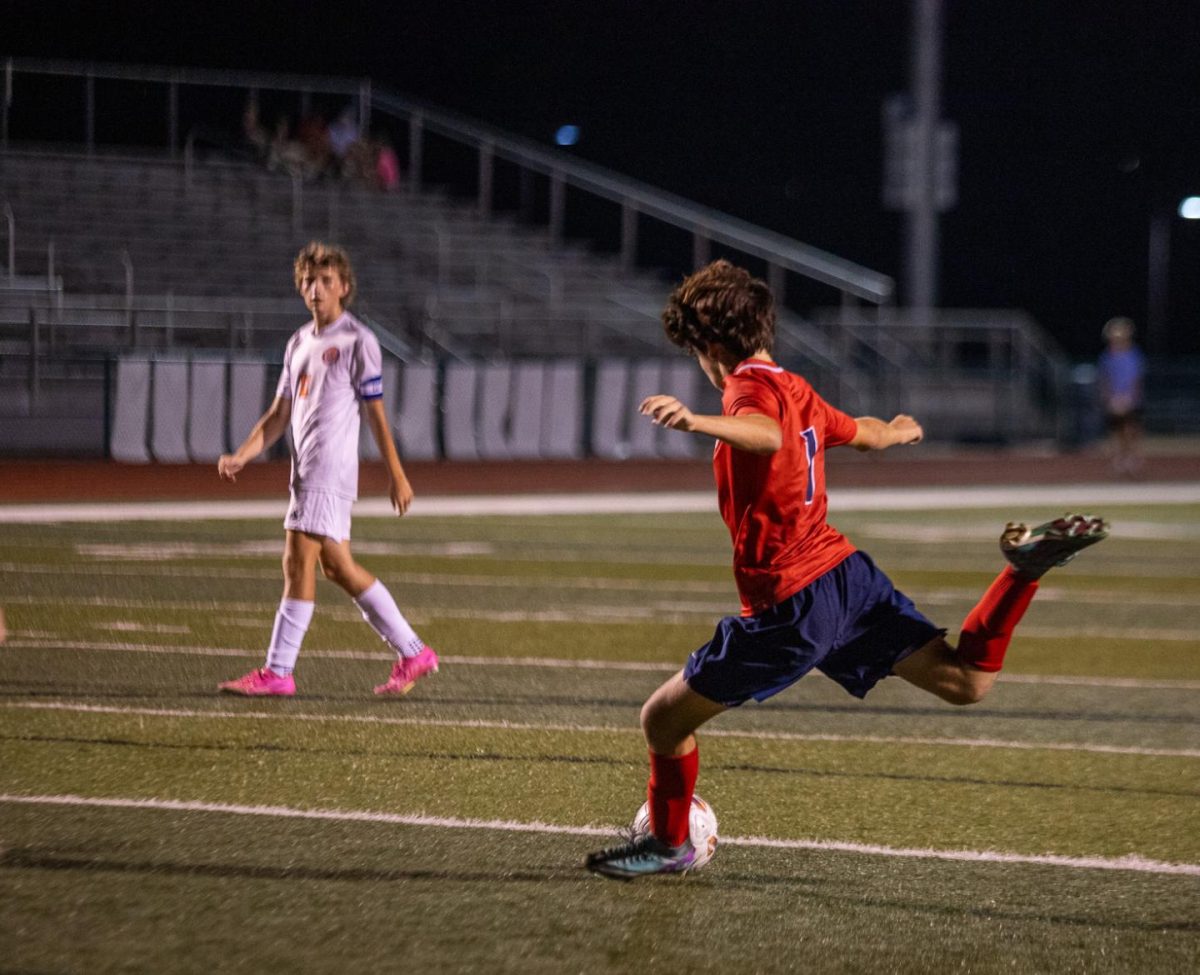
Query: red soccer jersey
pixel 774 505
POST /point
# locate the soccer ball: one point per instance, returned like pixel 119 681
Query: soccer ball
pixel 702 829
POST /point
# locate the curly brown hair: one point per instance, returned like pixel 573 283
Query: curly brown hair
pixel 724 304
pixel 316 255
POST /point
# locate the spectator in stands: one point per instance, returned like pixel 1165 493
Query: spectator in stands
pixel 387 165
pixel 1121 371
pixel 331 370
pixel 285 153
pixel 313 134
pixel 253 134
pixel 343 137
pixel 358 166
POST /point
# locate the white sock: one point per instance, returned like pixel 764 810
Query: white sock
pixel 379 609
pixel 291 623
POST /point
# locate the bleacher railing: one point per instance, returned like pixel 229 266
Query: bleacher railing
pixel 873 354
pixel 635 199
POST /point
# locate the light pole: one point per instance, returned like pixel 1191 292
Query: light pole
pixel 1158 278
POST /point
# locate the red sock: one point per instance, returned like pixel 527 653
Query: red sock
pixel 988 628
pixel 672 782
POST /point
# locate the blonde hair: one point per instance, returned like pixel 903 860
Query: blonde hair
pixel 315 255
pixel 1118 328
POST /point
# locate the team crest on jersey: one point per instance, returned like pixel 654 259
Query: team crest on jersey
pixel 329 356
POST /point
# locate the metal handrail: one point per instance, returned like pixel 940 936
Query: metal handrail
pixel 214 77
pixel 11 220
pixel 721 227
pixel 634 197
pixel 128 265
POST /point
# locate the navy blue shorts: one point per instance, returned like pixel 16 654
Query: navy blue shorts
pixel 851 624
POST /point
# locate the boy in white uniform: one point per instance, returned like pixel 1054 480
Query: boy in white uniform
pixel 331 365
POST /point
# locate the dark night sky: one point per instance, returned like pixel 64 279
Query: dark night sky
pixel 1077 119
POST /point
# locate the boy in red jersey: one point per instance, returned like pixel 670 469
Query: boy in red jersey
pixel 809 598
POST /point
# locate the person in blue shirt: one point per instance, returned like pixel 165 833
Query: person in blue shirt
pixel 1121 369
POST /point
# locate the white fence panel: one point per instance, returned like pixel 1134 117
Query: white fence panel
pixel 131 411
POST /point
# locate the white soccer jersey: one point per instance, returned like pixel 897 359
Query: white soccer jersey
pixel 325 375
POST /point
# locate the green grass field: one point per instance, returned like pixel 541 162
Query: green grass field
pixel 149 825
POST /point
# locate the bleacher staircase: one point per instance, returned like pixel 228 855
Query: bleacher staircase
pixel 119 254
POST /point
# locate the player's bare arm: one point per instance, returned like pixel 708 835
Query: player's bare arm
pixel 751 432
pixel 400 492
pixel 266 432
pixel 875 434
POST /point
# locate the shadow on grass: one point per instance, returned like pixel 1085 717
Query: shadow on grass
pixel 18 859
pixel 808 889
pixel 802 889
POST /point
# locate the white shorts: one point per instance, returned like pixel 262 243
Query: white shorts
pixel 319 513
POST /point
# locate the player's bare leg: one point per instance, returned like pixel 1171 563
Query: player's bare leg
pixel 672 714
pixel 339 567
pixel 937 668
pixel 300 553
pixel 414 659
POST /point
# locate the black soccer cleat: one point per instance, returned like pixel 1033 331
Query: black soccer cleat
pixel 641 857
pixel 1034 551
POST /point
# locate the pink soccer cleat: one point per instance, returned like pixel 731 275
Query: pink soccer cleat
pixel 260 683
pixel 407 671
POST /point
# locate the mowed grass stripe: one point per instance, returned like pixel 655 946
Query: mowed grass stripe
pixel 655 503
pixel 1132 863
pixel 1021 801
pixel 547 575
pixel 554 663
pixel 501 725
pixel 1150 579
pixel 939 597
pixel 675 614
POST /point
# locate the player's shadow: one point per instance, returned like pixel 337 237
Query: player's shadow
pixel 32 859
pixel 275 747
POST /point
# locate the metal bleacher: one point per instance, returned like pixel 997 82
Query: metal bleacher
pixel 172 251
pixel 202 257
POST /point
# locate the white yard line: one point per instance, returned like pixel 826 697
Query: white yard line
pixel 720 588
pixel 1137 633
pixel 944 534
pixel 1131 862
pixel 849 499
pixel 539 662
pixel 500 725
pixel 1074 680
pixel 938 597
pixel 165 551
pixel 1051 594
pixel 543 662
pixel 662 612
pixel 584 583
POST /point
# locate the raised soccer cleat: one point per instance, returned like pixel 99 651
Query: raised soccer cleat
pixel 407 671
pixel 642 857
pixel 1034 551
pixel 260 683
